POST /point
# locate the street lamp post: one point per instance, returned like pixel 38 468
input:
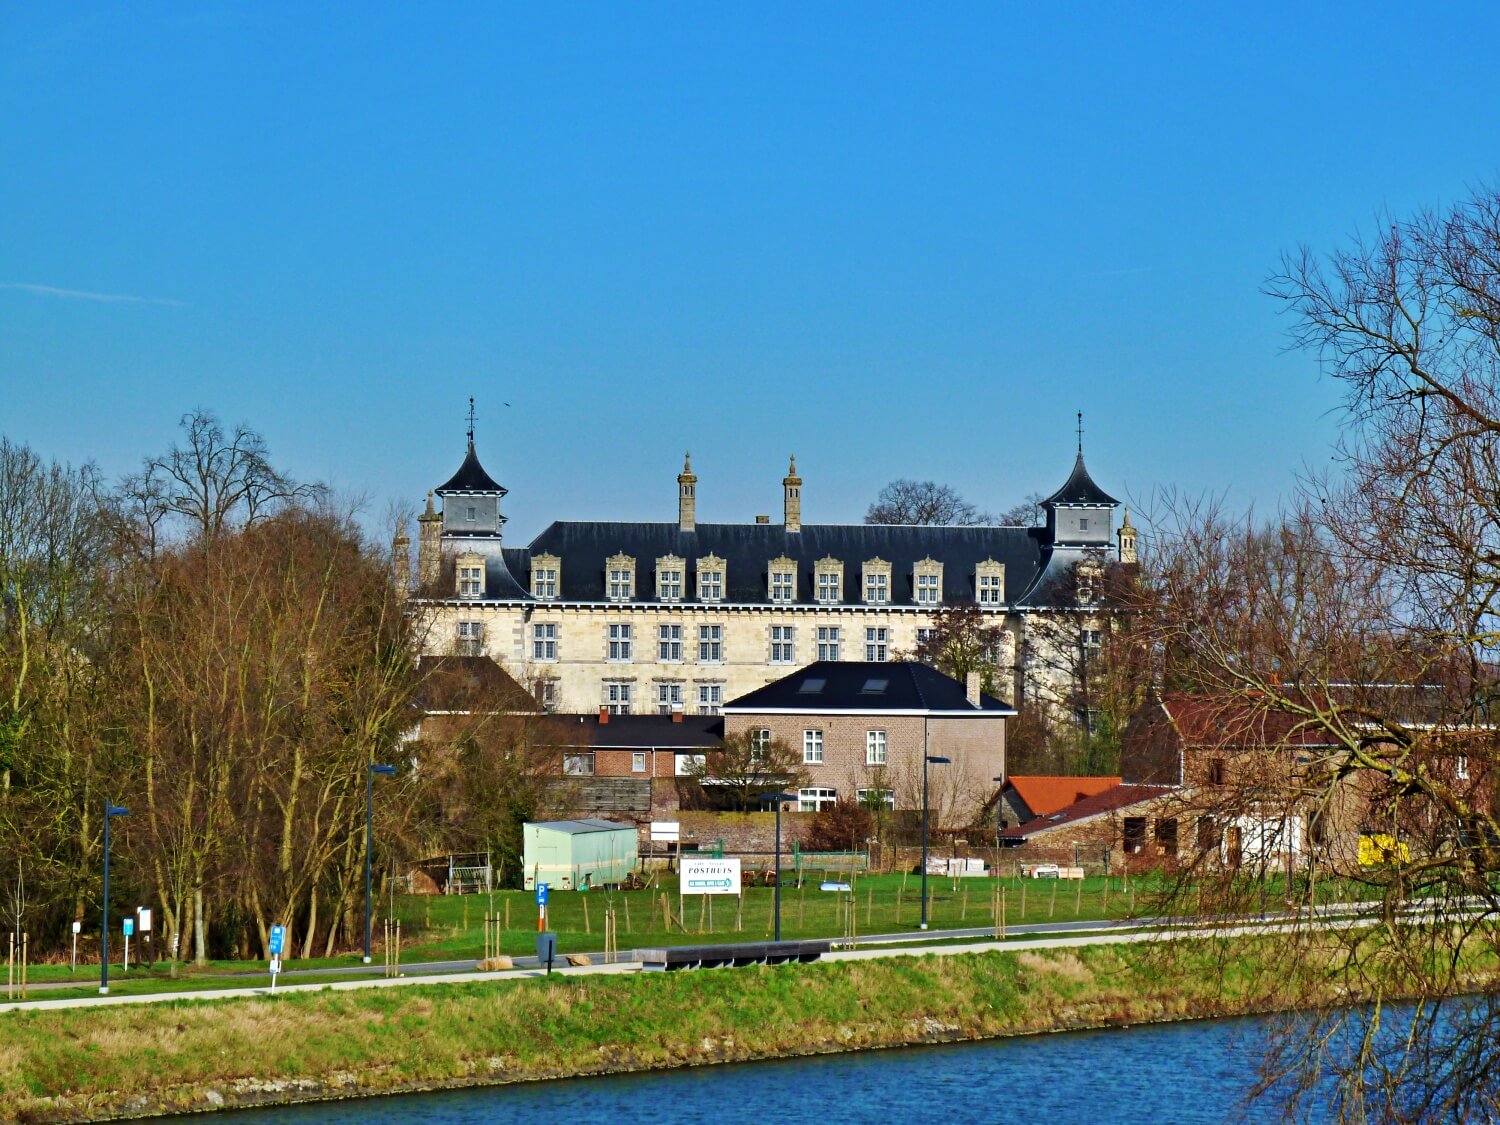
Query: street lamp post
pixel 776 800
pixel 370 773
pixel 927 760
pixel 109 811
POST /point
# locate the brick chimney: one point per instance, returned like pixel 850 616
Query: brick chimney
pixel 677 712
pixel 604 716
pixel 972 689
pixel 687 495
pixel 791 490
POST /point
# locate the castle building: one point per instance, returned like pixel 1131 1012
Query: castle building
pixel 660 618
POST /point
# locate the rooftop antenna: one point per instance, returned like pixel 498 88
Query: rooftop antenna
pixel 471 421
pixel 1080 431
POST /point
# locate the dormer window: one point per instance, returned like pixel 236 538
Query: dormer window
pixel 470 575
pixel 711 579
pixel 829 575
pixel 669 572
pixel 877 576
pixel 545 572
pixel 928 576
pixel 783 580
pixel 619 573
pixel 989 583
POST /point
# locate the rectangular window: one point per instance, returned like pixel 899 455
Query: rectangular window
pixel 811 800
pixel 828 587
pixel 1216 771
pixel 781 586
pixel 927 589
pixel 620 582
pixel 546 695
pixel 828 642
pixel 473 514
pixel 1208 834
pixel 544 583
pixel 619 644
pixel 710 644
pixel 989 589
pixel 760 744
pixel 668 697
pixel 669 585
pixel 925 635
pixel 877 644
pixel 710 698
pixel 876 798
pixel 470 581
pixel 782 648
pixel 711 585
pixel 812 747
pixel 874 747
pixel 578 765
pixel 470 638
pixel 1135 834
pixel 617 695
pixel 1166 837
pixel 877 588
pixel 1092 638
pixel 638 762
pixel 544 641
pixel 669 643
pixel 1461 768
pixel 1083 523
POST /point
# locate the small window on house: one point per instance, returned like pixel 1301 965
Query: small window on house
pixel 638 761
pixel 617 696
pixel 873 799
pixel 710 698
pixel 578 765
pixel 760 744
pixel 812 800
pixel 544 641
pixel 1208 834
pixel 877 644
pixel 544 582
pixel 668 697
pixel 470 638
pixel 811 686
pixel 619 644
pixel 874 687
pixel 782 647
pixel 1083 523
pixel 1135 834
pixel 472 515
pixel 828 642
pixel 812 747
pixel 1216 771
pixel 710 644
pixel 470 581
pixel 546 695
pixel 1166 836
pixel 828 587
pixel 875 743
pixel 669 643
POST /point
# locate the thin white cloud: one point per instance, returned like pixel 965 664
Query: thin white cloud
pixel 83 295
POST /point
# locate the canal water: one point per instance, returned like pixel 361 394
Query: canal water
pixel 1187 1072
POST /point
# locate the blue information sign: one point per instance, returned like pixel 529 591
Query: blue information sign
pixel 129 926
pixel 541 894
pixel 278 939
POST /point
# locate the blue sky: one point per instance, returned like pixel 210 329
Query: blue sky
pixel 905 240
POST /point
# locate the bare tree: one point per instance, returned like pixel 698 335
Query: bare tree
pixel 1028 513
pixel 906 501
pixel 743 766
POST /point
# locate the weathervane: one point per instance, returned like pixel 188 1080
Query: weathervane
pixel 471 419
pixel 1080 432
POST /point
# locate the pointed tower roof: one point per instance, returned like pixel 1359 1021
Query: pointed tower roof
pixel 1081 489
pixel 470 477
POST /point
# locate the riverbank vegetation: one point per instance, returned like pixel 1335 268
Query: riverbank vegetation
pixel 83 1063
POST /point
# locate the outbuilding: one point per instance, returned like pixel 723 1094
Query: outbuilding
pixel 569 854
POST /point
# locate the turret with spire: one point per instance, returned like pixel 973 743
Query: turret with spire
pixel 1080 512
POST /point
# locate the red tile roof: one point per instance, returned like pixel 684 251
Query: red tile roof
pixel 1203 721
pixel 1045 795
pixel 1111 800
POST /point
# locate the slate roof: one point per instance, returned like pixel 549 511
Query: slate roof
pixel 1080 489
pixel 470 477
pixel 1047 795
pixel 747 550
pixel 862 686
pixel 641 732
pixel 1111 800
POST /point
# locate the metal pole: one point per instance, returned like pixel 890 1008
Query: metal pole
pixel 924 824
pixel 369 846
pixel 777 873
pixel 104 929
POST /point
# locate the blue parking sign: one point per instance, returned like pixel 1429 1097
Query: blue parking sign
pixel 541 894
pixel 278 939
pixel 129 926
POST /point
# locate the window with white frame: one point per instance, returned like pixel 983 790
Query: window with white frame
pixel 1461 768
pixel 828 642
pixel 544 641
pixel 620 574
pixel 782 646
pixel 928 575
pixel 669 571
pixel 470 577
pixel 710 698
pixel 874 747
pixel 812 747
pixel 1092 638
pixel 991 589
pixel 760 744
pixel 877 582
pixel 579 764
pixel 830 580
pixel 619 643
pixel 668 696
pixel 470 638
pixel 710 644
pixel 783 578
pixel 617 696
pixel 544 576
pixel 925 635
pixel 669 644
pixel 877 643
pixel 876 798
pixel 638 761
pixel 711 579
pixel 813 800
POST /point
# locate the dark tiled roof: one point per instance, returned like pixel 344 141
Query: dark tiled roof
pixel 748 549
pixel 1080 489
pixel 470 477
pixel 1111 800
pixel 469 683
pixel 857 685
pixel 641 732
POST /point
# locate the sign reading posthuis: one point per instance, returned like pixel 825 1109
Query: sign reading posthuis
pixel 710 876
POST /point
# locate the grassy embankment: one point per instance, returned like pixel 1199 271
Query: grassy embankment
pixel 73 1064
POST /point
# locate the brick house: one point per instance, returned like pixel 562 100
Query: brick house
pixel 862 728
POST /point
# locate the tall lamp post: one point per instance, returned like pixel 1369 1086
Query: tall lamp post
pixel 385 771
pixel 777 799
pixel 927 760
pixel 109 811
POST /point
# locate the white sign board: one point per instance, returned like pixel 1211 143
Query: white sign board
pixel 710 876
pixel 669 831
pixel 143 918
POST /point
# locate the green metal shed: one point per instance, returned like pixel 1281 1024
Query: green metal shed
pixel 568 854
